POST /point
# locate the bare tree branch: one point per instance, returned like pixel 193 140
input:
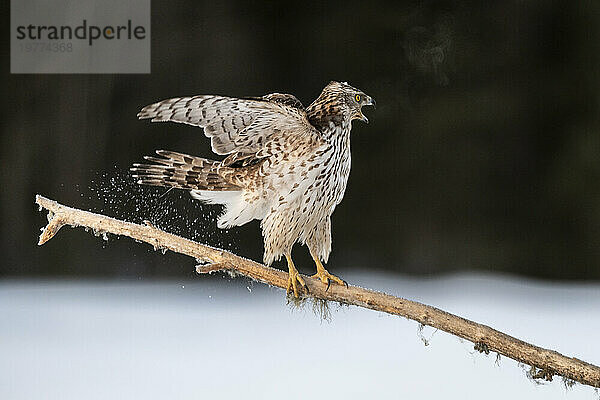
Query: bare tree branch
pixel 545 363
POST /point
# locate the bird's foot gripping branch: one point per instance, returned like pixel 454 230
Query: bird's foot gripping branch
pixel 546 363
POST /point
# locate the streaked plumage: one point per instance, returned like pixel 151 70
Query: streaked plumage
pixel 285 165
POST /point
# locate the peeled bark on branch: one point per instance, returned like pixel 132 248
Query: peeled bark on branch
pixel 545 363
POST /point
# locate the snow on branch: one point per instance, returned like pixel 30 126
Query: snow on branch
pixel 545 363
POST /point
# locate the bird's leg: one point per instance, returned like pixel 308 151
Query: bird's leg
pixel 325 276
pixel 294 277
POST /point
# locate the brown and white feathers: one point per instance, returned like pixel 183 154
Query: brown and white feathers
pixel 285 165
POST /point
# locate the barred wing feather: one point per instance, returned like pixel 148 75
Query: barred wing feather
pixel 235 125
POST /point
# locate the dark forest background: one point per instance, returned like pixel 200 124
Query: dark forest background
pixel 482 154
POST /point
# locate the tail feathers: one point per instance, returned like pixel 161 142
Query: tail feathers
pixel 182 171
pixel 203 179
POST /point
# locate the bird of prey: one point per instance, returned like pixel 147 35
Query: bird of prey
pixel 284 164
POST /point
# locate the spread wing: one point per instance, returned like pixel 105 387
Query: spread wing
pixel 240 128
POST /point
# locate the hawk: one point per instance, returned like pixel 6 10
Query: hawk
pixel 285 165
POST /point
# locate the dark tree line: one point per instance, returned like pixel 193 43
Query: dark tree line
pixel 481 155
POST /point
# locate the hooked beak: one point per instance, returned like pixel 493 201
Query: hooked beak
pixel 370 102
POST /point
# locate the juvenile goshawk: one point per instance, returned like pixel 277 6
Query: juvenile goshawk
pixel 285 165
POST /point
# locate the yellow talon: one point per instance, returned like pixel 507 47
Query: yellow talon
pixel 294 278
pixel 324 276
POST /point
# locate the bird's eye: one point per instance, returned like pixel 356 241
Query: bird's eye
pixel 357 98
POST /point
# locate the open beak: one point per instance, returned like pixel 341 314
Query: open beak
pixel 370 102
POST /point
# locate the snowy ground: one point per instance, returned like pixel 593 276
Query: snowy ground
pixel 217 338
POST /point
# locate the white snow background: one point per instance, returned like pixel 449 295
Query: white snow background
pixel 220 338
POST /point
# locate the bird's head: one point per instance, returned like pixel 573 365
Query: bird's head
pixel 350 99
